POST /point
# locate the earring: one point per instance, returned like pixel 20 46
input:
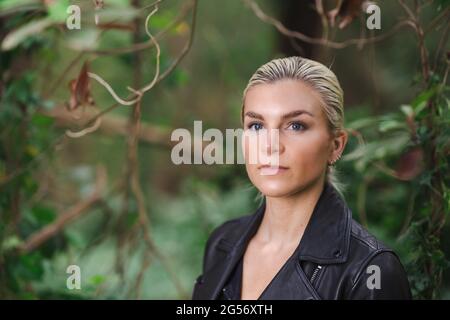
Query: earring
pixel 332 162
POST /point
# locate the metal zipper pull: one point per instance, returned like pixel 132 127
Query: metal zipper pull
pixel 316 271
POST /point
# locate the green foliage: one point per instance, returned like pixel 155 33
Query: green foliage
pixel 415 141
pixel 24 137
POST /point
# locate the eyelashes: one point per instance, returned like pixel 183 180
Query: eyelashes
pixel 294 125
pixel 254 126
pixel 298 126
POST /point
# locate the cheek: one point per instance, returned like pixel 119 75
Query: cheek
pixel 246 145
pixel 309 150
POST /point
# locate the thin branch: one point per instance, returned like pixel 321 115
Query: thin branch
pixel 85 131
pixel 421 41
pixel 436 20
pixel 112 124
pixel 137 93
pixel 147 44
pixel 324 42
pixel 442 43
pixel 323 18
pixel 63 74
pixel 49 231
pixel 407 9
pixel 142 211
pixel 168 71
pixel 187 47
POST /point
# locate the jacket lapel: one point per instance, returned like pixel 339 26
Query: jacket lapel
pixel 228 252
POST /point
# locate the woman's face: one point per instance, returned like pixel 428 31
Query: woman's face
pixel 305 143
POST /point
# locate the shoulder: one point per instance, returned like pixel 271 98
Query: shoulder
pixel 365 248
pixel 373 267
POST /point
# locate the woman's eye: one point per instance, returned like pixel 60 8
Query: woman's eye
pixel 255 126
pixel 297 126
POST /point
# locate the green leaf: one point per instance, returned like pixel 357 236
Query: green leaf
pixel 97 280
pixel 390 124
pixel 85 40
pixel 44 215
pixel 118 14
pixel 362 123
pixel 17 36
pixel 11 243
pixel 41 120
pixel 407 110
pixel 30 267
pixel 11 5
pixel 420 102
pixel 57 10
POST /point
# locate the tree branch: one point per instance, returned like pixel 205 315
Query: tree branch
pixel 115 125
pixel 49 231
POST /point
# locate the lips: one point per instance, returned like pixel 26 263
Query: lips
pixel 268 170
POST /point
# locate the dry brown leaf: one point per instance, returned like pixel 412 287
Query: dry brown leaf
pixel 80 89
pixel 345 11
pixel 410 164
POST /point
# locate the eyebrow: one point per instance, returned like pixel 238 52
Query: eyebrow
pixel 291 114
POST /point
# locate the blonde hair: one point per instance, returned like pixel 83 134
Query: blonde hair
pixel 318 77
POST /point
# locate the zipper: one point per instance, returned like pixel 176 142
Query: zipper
pixel 314 275
pixel 225 294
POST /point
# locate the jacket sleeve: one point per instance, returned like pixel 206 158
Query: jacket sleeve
pixel 381 278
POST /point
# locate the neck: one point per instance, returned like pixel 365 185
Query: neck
pixel 285 218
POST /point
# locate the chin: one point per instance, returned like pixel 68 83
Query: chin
pixel 276 190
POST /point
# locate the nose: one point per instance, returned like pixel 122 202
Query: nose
pixel 272 142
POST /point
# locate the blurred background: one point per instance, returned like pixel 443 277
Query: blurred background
pixel 88 181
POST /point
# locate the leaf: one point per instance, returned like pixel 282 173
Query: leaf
pixel 10 6
pixel 390 124
pixel 80 90
pixel 42 121
pixel 85 40
pixel 11 243
pixel 118 14
pixel 410 164
pixel 57 10
pixel 15 37
pixel 43 215
pixel 420 102
pixel 407 110
pixel 97 280
pixel 362 123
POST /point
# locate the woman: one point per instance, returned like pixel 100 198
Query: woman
pixel 302 242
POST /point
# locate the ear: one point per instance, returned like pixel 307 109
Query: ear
pixel 338 144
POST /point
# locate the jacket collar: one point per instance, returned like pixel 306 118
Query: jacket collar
pixel 326 238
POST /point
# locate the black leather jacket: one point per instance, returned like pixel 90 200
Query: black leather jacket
pixel 336 258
